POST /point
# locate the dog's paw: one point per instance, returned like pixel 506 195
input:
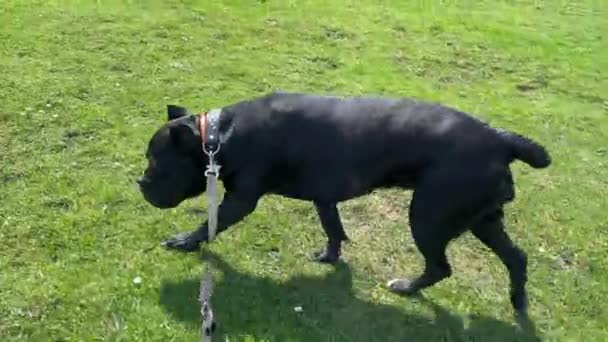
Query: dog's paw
pixel 183 242
pixel 326 256
pixel 402 286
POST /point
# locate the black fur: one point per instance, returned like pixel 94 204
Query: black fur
pixel 328 149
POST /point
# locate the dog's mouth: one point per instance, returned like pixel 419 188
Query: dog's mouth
pixel 151 196
pixel 159 203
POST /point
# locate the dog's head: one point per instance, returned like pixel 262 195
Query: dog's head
pixel 175 161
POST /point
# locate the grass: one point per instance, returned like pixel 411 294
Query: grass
pixel 84 84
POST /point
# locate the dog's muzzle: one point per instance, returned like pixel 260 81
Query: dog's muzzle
pixel 145 187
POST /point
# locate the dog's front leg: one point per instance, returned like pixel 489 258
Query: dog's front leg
pixel 332 225
pixel 233 209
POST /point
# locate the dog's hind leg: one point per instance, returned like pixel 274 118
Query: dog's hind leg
pixel 490 230
pixel 332 225
pixel 445 202
pixel 432 239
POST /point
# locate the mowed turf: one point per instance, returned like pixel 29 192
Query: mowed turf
pixel 84 84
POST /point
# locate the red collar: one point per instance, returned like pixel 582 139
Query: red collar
pixel 202 126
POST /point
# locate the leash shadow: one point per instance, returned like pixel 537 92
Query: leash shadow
pixel 249 305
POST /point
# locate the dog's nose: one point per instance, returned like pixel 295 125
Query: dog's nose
pixel 140 181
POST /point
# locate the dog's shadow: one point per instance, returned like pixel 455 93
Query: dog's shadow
pixel 248 305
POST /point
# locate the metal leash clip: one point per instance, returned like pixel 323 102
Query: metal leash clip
pixel 213 169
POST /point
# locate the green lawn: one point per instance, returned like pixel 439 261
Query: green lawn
pixel 83 85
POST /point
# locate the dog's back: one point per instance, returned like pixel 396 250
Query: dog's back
pixel 343 147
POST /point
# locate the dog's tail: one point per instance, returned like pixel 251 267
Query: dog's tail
pixel 526 150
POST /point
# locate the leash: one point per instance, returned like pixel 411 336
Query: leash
pixel 209 128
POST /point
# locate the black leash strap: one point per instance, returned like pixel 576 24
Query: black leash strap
pixel 211 146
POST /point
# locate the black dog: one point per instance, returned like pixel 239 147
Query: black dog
pixel 328 149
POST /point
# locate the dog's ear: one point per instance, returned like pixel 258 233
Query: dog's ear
pixel 185 133
pixel 174 112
